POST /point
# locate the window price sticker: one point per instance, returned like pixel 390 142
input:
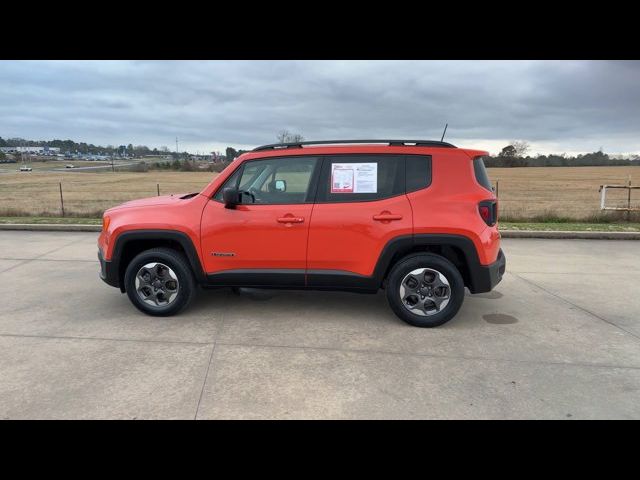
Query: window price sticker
pixel 354 177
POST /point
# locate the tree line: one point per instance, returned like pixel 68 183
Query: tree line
pixel 514 155
pixel 284 136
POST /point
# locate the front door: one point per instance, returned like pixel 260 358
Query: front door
pixel 263 241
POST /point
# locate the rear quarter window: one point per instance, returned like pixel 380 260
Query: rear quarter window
pixel 481 173
pixel 418 172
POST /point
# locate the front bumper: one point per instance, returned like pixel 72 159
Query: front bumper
pixel 485 277
pixel 108 272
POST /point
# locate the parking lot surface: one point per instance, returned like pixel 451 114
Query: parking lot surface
pixel 558 338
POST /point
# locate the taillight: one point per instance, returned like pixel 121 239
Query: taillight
pixel 105 223
pixel 488 210
pixel 485 213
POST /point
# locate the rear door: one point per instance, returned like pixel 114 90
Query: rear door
pixel 360 205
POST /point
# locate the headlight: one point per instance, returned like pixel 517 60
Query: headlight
pixel 105 223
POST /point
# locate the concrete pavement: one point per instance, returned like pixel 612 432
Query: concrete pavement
pixel 558 338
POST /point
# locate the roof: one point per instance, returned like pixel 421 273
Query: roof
pixel 394 143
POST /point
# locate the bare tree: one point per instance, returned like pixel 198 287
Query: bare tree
pixel 521 147
pixel 285 136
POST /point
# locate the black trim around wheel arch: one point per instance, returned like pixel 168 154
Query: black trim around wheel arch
pixel 107 273
pixel 153 235
pixel 480 278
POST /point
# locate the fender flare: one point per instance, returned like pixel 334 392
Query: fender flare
pixel 401 246
pixel 179 237
pixel 395 249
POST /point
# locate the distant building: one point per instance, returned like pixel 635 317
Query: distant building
pixel 32 150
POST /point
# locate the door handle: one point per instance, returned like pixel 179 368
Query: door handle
pixel 290 219
pixel 386 217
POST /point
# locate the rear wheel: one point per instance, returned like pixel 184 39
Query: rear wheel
pixel 159 282
pixel 425 290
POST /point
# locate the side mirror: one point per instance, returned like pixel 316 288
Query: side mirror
pixel 230 197
pixel 281 185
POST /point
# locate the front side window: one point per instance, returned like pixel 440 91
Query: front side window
pixel 232 181
pixel 285 180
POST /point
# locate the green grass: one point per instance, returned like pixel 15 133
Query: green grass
pixel 537 226
pixel 571 227
pixel 49 220
pixel 601 217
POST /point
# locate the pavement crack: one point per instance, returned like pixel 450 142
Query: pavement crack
pixel 42 255
pixel 49 259
pixel 204 382
pixel 582 309
pixel 102 339
pixel 223 312
pixel 429 355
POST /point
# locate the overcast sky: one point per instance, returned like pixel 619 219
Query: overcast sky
pixel 558 106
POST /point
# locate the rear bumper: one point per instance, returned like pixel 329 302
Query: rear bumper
pixel 485 277
pixel 108 272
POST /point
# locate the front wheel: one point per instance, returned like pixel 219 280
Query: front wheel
pixel 159 282
pixel 425 290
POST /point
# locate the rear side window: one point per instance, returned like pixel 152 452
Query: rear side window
pixel 481 173
pixel 361 178
pixel 418 174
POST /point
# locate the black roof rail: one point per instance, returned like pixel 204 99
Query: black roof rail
pixel 414 143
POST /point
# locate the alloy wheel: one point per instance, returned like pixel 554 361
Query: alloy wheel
pixel 425 291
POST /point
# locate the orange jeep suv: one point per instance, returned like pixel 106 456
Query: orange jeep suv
pixel 416 218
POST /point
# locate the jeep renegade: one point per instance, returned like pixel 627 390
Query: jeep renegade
pixel 413 217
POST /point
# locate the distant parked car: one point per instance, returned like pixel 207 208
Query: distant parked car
pixel 68 165
pixel 24 168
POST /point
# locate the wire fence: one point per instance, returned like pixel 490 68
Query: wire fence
pixel 82 199
pixel 548 199
pixel 526 193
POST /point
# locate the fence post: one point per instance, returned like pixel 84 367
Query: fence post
pixel 61 199
pixel 629 201
pixel 158 185
pixel 497 189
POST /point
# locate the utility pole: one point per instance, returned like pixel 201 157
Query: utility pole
pixel 177 151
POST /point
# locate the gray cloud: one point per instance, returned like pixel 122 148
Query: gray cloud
pixel 570 106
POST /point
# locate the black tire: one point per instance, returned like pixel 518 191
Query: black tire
pixel 425 260
pixel 177 262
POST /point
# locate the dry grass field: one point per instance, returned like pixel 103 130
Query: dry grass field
pixel 88 194
pixel 570 192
